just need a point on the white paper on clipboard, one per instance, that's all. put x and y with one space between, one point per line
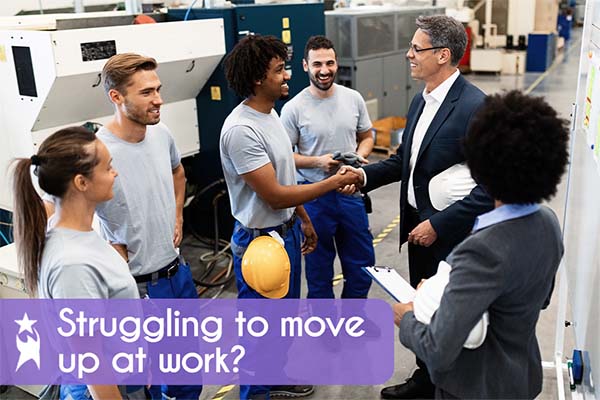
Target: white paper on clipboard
392 283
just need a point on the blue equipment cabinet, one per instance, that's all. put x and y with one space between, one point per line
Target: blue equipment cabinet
215 101
541 48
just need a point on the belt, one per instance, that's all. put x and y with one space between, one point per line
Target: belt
282 229
166 272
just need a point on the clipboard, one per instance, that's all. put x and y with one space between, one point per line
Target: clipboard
392 282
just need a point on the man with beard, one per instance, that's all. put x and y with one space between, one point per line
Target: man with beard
323 119
144 220
258 164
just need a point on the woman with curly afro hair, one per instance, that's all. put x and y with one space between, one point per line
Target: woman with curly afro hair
516 149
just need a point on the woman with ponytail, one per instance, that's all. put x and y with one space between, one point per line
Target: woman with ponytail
70 260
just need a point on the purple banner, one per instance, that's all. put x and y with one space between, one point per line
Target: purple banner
176 341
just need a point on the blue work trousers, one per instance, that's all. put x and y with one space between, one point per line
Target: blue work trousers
179 286
81 392
341 224
240 240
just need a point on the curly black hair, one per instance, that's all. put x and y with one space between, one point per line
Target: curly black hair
516 148
249 62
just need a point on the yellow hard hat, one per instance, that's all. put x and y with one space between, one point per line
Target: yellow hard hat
266 267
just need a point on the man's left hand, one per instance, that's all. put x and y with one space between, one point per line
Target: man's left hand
423 234
348 190
178 232
399 310
310 238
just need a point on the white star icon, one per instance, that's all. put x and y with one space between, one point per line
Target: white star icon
25 324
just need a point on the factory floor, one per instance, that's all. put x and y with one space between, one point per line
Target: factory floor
558 86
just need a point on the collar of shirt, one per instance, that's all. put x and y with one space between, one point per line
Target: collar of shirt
504 213
439 93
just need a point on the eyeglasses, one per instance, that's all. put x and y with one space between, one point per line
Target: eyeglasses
418 50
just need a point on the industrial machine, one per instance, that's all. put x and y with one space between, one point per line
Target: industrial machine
501 46
371 44
51 79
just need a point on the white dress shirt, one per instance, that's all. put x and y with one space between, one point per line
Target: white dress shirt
433 101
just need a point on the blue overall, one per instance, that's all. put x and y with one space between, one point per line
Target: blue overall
81 392
179 286
240 240
341 223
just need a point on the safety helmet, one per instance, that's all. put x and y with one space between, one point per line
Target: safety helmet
266 267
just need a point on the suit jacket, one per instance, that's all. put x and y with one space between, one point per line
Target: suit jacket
506 269
441 148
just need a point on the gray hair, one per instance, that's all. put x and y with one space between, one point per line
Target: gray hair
446 32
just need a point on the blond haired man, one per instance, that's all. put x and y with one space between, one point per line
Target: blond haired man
144 219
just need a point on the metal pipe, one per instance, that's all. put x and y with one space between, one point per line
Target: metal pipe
478 6
133 7
41 6
487 27
78 6
215 204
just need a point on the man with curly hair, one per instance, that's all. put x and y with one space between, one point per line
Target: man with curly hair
258 164
517 149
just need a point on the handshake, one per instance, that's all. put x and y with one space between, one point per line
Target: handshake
349 179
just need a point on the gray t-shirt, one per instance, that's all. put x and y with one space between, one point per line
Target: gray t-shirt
82 265
249 140
141 215
320 126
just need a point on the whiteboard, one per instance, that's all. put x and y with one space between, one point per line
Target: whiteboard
582 214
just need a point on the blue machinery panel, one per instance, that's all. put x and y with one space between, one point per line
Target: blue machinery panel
6 234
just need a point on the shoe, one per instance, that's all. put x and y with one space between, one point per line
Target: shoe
410 389
291 391
259 396
372 330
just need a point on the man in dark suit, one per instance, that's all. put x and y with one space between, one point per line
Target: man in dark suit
506 267
432 142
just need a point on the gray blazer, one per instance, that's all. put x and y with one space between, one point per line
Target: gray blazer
508 269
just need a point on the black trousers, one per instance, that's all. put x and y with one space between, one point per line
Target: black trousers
441 394
422 261
422 264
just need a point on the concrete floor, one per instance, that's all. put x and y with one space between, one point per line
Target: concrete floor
558 87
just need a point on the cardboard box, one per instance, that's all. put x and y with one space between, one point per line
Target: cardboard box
384 128
546 15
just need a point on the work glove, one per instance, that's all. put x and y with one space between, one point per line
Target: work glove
350 158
